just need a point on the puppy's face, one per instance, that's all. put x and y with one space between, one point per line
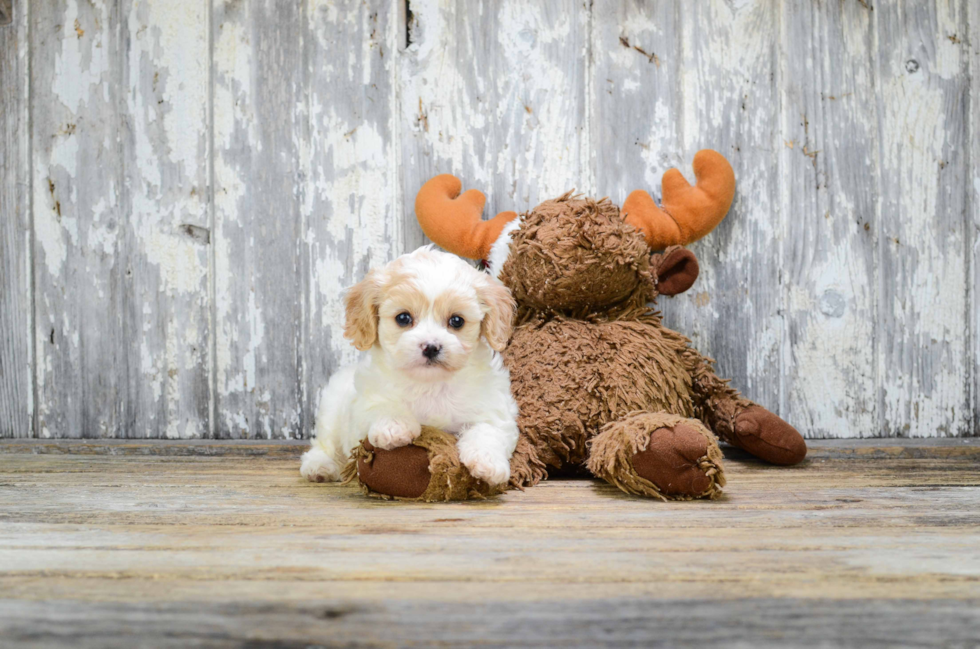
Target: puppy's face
428 310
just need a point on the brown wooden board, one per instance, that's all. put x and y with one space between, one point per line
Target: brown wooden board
860 548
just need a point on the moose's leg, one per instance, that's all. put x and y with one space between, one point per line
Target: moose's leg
526 468
658 455
428 470
739 421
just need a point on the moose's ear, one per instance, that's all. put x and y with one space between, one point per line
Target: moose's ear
676 268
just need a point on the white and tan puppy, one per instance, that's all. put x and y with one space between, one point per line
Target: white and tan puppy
431 325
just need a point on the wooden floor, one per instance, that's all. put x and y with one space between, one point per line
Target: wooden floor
126 544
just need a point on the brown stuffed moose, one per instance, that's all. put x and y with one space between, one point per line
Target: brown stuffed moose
599 381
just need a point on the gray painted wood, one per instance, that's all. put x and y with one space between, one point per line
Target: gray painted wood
84 290
351 179
826 174
16 317
165 155
260 107
923 108
672 78
841 291
973 126
7 12
495 93
120 216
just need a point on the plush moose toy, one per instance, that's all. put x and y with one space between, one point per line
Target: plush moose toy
599 381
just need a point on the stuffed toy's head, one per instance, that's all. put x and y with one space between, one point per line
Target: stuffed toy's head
577 256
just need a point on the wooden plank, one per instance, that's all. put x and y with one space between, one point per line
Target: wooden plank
120 215
107 543
83 269
958 448
165 150
828 226
260 127
495 93
335 622
672 78
16 316
353 218
923 103
974 138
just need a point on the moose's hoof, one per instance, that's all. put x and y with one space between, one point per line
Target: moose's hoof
428 469
768 437
673 461
401 472
658 455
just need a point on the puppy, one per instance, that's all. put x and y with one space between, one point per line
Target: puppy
431 326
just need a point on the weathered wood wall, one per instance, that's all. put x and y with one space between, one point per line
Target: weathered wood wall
187 188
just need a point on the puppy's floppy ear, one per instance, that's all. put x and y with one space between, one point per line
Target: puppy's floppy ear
362 311
498 312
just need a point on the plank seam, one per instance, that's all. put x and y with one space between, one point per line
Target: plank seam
588 142
776 199
31 277
212 302
395 128
879 401
402 9
305 165
972 206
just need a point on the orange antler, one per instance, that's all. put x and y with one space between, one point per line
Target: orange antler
688 212
453 221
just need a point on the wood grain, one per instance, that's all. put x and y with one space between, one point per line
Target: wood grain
858 549
86 304
16 310
196 183
817 450
923 111
260 127
973 227
616 622
495 93
828 223
351 202
120 217
166 159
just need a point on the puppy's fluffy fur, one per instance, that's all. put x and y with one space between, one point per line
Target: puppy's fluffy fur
431 326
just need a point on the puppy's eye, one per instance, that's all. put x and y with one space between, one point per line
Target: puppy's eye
404 319
456 322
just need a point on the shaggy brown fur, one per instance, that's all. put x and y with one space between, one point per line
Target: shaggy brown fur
590 355
575 262
571 377
677 468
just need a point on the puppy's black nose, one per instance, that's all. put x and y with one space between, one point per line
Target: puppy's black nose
431 351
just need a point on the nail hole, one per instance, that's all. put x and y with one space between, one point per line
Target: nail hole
6 12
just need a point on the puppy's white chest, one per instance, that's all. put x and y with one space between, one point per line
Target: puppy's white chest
439 409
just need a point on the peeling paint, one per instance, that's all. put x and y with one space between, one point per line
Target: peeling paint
841 284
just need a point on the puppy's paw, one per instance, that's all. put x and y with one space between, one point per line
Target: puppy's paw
485 464
317 466
387 433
